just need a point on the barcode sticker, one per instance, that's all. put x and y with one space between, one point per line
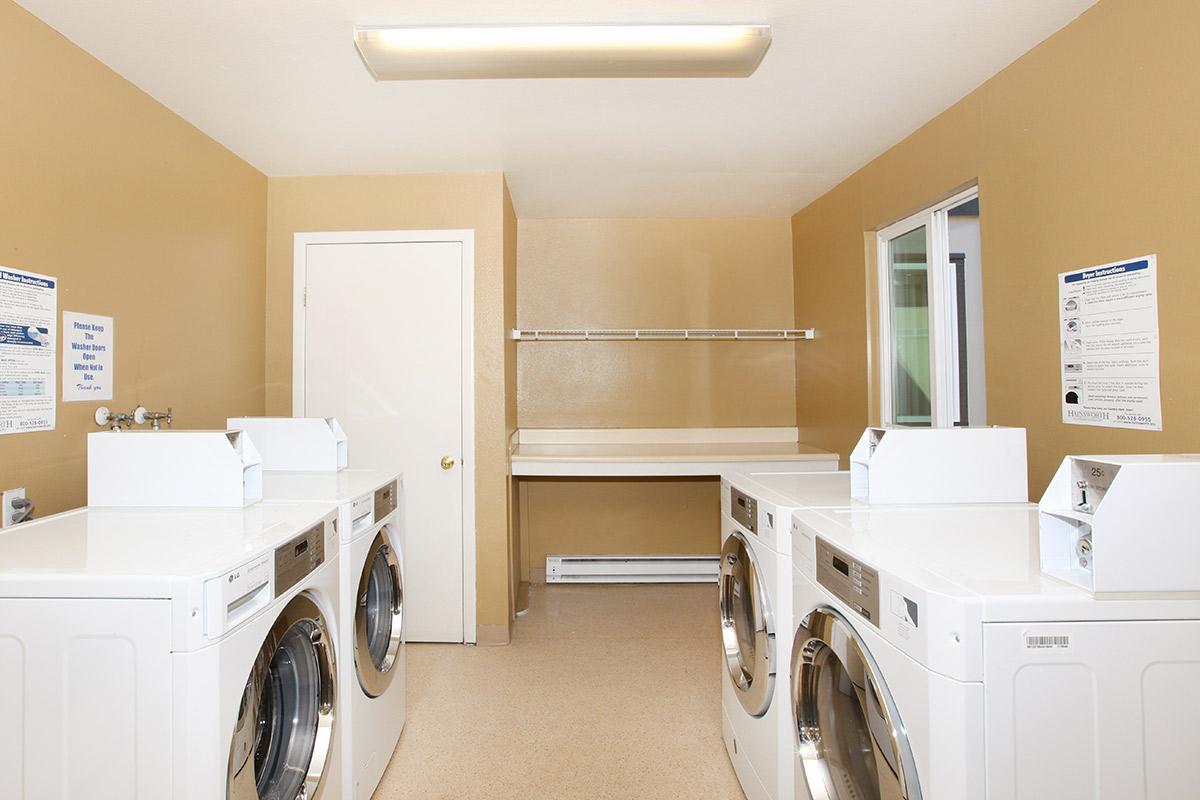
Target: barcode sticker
1059 642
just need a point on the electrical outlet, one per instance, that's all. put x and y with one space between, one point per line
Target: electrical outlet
6 505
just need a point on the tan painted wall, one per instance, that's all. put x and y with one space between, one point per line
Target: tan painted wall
1085 151
673 273
142 218
666 515
398 202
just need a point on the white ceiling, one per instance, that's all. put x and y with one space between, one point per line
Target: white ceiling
280 83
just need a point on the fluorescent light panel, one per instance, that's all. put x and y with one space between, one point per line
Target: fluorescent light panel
563 51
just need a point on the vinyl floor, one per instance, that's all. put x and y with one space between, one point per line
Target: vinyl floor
605 692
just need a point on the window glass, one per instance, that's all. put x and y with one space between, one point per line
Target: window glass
908 261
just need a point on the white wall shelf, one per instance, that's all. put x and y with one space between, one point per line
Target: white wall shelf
663 334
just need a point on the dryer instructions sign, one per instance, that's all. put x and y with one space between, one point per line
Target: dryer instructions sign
1108 331
28 313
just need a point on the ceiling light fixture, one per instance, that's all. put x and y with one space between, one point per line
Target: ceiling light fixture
563 51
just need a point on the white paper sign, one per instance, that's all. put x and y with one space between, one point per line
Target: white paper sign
28 317
1108 330
87 362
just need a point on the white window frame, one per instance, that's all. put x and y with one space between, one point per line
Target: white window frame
943 334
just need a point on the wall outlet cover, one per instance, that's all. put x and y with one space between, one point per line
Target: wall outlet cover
6 505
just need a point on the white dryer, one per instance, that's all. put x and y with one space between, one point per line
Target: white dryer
170 653
756 618
933 661
370 518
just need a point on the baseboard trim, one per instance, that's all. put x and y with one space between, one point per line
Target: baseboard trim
492 635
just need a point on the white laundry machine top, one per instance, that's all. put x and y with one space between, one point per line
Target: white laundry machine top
216 566
808 489
759 510
929 577
369 494
778 494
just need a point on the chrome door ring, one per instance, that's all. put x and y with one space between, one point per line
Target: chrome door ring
826 651
301 626
375 673
754 682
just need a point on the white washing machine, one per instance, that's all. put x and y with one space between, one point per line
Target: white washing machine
756 617
170 653
755 606
372 598
934 661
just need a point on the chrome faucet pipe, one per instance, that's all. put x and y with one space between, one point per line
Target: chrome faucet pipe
155 418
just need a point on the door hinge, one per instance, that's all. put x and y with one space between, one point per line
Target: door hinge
304 301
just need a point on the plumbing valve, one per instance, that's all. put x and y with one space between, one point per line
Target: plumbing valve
141 416
115 421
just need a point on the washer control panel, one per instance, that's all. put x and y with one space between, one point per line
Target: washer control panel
300 556
851 581
386 499
744 509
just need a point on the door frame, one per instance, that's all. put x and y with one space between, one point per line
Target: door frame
466 238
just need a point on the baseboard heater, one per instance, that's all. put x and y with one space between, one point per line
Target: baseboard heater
632 569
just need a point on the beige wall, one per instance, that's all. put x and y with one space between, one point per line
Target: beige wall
613 273
399 202
141 217
1086 152
673 273
614 515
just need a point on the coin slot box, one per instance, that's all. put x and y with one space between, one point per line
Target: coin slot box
940 465
1112 524
191 469
297 444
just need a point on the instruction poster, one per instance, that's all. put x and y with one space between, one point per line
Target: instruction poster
87 362
1108 327
28 313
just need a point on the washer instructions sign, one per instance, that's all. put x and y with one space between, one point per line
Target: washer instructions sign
87 362
1108 331
28 332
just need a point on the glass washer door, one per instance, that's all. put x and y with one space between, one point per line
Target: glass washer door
847 728
284 729
747 626
379 615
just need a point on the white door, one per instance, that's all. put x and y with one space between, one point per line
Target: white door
383 339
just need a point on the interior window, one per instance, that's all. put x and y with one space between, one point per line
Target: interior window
931 308
910 380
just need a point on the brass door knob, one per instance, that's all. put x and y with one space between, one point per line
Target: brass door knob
447 462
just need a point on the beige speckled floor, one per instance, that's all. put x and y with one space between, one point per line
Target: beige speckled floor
605 692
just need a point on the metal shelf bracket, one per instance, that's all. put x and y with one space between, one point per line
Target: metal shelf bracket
662 334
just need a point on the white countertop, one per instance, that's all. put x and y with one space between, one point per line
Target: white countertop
654 452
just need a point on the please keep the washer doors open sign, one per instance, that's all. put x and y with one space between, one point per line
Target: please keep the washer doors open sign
1108 331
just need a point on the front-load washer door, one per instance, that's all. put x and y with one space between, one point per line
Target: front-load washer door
849 736
747 626
379 615
282 737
